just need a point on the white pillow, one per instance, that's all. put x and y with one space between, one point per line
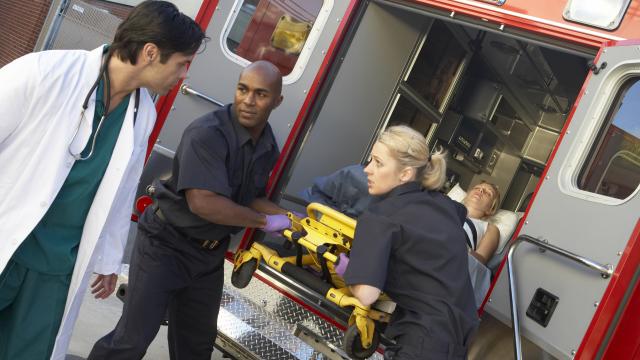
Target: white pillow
505 220
456 193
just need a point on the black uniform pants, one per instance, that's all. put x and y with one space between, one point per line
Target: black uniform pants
416 338
167 271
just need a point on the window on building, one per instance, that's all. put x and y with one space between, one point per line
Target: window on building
613 167
273 30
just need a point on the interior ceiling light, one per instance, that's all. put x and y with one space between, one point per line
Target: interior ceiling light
604 14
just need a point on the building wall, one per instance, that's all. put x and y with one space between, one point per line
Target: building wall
20 25
23 25
119 10
189 7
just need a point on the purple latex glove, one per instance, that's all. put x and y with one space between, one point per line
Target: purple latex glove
341 266
276 223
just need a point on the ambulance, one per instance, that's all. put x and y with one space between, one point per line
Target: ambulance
541 98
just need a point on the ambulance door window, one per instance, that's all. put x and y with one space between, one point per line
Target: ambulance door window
613 166
273 30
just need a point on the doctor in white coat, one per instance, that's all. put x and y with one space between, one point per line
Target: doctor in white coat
61 113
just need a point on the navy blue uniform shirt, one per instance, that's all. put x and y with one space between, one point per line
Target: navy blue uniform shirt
217 154
411 245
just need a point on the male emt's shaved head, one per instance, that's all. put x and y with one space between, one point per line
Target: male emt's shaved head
257 94
269 71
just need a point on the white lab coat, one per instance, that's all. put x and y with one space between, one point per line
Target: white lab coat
41 96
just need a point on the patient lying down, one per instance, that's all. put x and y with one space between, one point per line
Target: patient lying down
481 202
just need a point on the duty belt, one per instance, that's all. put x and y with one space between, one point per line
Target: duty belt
205 244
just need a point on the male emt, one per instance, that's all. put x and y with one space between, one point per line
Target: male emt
220 171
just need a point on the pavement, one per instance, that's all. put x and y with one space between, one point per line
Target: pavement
98 317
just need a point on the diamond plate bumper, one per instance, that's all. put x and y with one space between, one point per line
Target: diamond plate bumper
260 322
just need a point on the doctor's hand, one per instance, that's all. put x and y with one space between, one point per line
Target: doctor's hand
104 285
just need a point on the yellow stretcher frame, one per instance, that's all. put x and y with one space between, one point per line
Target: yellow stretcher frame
330 233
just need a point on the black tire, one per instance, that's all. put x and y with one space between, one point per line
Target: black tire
353 346
241 277
122 292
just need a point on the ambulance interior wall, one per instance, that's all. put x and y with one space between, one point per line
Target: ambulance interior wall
382 53
518 69
351 113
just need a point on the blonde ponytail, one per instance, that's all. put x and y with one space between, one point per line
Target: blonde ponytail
410 148
435 174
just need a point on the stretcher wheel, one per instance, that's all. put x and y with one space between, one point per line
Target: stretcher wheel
122 292
241 277
353 346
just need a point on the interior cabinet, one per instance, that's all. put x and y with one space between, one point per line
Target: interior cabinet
429 83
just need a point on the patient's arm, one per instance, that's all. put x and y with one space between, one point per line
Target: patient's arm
366 294
488 244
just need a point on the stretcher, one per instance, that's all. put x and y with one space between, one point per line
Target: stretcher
319 239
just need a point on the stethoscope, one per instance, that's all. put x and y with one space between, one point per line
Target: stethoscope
104 71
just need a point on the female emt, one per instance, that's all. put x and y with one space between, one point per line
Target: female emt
411 245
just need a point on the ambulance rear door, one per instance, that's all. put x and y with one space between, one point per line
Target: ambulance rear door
587 204
295 35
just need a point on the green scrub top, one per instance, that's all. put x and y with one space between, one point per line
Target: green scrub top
52 246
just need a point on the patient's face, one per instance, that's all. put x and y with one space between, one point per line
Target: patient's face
481 197
383 171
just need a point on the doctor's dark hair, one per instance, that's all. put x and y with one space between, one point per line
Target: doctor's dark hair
160 23
410 149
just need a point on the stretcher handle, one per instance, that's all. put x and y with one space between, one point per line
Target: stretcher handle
297 237
327 255
329 212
